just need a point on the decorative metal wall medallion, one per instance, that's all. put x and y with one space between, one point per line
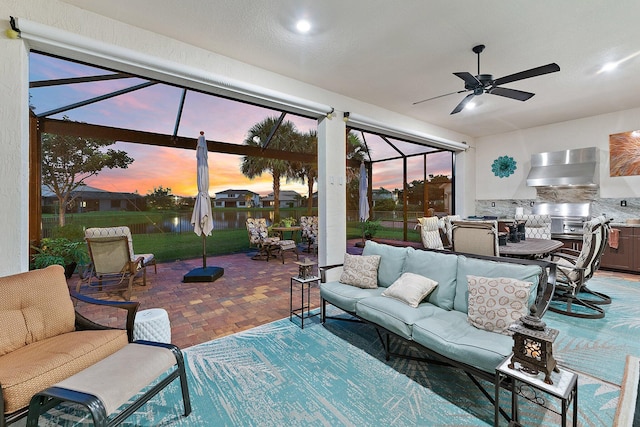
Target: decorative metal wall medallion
503 166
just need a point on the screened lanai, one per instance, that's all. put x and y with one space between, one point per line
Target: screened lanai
157 123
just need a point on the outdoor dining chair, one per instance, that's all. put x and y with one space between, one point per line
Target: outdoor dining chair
575 268
536 226
309 226
446 224
430 232
268 247
475 237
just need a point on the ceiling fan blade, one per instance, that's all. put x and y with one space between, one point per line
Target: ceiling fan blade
534 72
439 96
463 103
511 93
469 79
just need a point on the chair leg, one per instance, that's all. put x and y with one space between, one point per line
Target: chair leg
602 299
130 290
567 306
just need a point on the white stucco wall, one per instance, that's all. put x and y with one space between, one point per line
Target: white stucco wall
14 114
585 132
14 156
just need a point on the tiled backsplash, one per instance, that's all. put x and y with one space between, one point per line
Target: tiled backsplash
610 207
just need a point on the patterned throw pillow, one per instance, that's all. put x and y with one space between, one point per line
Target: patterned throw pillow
497 302
360 271
410 288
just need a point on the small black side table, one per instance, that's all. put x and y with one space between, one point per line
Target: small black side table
300 311
564 387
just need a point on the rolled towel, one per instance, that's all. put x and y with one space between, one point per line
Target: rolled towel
614 238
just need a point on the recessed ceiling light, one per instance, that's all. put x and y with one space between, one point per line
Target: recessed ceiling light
303 26
470 106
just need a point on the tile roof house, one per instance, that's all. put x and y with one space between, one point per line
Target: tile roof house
92 199
288 199
236 199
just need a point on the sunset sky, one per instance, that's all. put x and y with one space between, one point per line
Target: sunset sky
155 108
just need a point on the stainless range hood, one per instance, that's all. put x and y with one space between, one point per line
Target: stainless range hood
578 167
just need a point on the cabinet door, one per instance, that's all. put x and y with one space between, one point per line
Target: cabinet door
635 252
622 257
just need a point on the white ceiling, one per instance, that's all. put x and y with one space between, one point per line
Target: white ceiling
392 53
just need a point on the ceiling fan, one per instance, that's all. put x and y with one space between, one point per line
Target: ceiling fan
485 83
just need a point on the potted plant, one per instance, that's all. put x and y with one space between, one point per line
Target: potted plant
288 222
369 228
61 251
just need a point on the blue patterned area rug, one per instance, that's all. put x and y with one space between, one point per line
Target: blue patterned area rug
335 375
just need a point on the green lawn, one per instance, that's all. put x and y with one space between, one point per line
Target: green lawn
170 246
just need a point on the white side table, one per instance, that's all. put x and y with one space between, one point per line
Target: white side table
564 387
152 325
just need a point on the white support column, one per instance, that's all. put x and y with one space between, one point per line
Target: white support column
14 156
332 211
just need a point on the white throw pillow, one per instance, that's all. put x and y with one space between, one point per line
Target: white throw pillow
360 271
410 288
497 302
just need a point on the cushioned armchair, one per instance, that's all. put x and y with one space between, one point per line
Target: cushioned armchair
309 226
43 340
268 247
572 296
259 237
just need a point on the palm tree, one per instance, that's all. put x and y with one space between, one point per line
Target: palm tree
306 171
285 138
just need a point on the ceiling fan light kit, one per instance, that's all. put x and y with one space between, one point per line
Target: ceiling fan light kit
485 83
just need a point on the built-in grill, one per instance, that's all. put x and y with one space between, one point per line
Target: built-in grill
567 219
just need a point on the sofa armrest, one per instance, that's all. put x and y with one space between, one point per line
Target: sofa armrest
82 323
323 271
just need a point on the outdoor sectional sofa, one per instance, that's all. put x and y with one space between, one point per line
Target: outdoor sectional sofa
439 324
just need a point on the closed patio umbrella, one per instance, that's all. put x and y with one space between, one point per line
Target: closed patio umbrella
202 217
363 205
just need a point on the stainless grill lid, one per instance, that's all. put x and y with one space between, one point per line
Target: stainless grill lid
564 210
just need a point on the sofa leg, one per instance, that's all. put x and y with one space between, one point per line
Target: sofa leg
323 310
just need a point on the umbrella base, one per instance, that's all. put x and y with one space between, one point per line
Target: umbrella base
207 274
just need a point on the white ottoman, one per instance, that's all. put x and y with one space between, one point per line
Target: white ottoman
152 325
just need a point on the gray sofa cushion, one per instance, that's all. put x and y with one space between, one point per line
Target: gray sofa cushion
449 334
486 268
439 267
391 262
346 296
393 315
